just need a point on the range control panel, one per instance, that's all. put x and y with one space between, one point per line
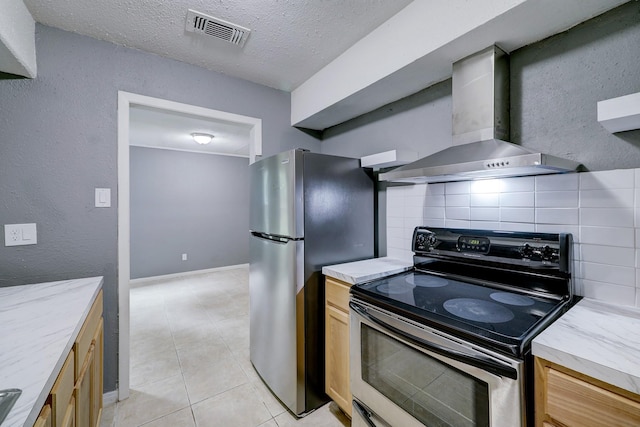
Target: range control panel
503 246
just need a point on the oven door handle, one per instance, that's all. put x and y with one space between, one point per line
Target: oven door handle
478 361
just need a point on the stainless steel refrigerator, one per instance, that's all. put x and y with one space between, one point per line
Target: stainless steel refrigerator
308 210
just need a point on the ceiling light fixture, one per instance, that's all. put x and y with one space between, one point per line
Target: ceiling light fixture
202 138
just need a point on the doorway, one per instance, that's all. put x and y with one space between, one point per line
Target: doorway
126 101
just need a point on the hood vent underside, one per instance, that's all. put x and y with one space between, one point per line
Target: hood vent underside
218 28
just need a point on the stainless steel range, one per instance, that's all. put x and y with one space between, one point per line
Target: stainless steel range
448 343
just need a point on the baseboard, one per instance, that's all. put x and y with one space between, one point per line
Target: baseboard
134 283
109 398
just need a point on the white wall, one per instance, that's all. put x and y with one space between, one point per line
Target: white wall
600 209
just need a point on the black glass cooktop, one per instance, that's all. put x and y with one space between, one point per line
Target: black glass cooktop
502 317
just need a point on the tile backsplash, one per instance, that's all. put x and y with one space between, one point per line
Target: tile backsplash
600 209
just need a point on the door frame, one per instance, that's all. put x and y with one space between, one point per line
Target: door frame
125 101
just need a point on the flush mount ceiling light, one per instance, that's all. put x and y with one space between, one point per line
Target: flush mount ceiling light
202 138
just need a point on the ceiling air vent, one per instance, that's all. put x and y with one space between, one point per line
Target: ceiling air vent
214 27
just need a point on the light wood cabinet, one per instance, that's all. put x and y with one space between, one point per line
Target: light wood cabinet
337 379
44 419
565 398
76 396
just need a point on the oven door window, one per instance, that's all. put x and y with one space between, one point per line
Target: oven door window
431 391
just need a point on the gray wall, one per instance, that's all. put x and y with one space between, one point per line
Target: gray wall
58 141
555 85
190 203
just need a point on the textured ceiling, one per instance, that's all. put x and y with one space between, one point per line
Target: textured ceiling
290 40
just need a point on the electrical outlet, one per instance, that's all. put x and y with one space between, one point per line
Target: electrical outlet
20 234
184 257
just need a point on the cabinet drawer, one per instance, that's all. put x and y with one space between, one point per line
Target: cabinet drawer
337 293
574 402
62 391
85 337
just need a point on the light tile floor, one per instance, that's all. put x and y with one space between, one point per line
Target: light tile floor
190 360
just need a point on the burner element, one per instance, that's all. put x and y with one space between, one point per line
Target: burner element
478 310
512 299
426 281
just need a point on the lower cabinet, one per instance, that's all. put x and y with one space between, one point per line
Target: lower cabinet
44 419
76 395
565 398
337 380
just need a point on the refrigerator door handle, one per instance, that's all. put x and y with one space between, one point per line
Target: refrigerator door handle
272 237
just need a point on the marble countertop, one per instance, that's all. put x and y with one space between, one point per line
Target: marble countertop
39 325
596 339
368 269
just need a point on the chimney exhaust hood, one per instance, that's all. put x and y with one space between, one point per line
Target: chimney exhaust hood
480 98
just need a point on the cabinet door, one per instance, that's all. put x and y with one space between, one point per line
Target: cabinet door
83 390
62 391
44 419
70 416
96 376
337 385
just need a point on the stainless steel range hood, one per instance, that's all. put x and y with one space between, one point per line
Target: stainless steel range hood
480 98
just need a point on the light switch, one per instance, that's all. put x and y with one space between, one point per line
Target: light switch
103 197
20 234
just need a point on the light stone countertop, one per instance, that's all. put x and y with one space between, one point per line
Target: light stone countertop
596 339
368 269
39 324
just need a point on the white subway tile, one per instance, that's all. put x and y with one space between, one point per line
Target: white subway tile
456 223
457 213
395 233
557 199
517 226
559 182
412 223
611 255
606 292
461 187
395 209
484 225
607 217
576 252
395 222
513 185
609 236
401 254
638 260
637 237
436 212
485 199
484 214
619 198
395 242
395 191
637 175
413 211
407 234
435 189
604 180
560 228
415 189
517 215
569 216
414 201
432 222
609 273
484 186
457 200
578 287
517 200
434 200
